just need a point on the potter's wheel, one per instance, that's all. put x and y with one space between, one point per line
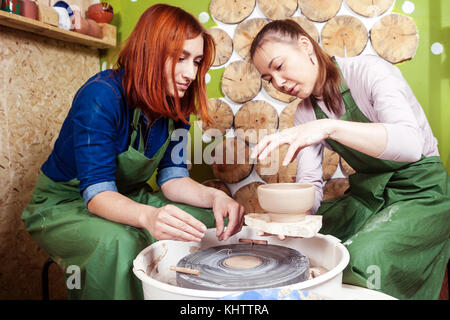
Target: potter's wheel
243 267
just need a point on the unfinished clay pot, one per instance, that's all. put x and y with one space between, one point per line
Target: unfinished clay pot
286 198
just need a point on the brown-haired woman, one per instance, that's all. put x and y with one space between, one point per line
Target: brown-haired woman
92 207
394 217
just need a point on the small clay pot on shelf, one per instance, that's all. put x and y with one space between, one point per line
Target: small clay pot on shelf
94 29
100 12
28 9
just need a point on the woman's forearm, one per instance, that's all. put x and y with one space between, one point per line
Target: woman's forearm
116 207
193 193
368 138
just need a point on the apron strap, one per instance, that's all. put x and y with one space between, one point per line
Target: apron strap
136 127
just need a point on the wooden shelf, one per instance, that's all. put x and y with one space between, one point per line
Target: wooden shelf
34 26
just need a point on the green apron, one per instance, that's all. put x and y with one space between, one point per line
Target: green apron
59 221
393 219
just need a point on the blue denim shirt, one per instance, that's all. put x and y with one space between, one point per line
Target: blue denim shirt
97 129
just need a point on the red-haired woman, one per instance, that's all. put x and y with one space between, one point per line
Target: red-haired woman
92 207
394 219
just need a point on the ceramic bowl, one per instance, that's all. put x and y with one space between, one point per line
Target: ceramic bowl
100 12
286 198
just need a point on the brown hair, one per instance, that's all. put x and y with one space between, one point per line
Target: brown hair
328 78
159 35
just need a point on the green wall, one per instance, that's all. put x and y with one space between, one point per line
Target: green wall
427 74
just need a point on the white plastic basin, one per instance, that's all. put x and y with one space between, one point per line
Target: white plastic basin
152 265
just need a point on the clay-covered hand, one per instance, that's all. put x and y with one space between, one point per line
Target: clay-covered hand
224 206
171 223
297 137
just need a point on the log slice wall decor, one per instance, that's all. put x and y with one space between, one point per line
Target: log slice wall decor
224 46
231 11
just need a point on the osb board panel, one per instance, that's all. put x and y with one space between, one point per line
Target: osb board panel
38 80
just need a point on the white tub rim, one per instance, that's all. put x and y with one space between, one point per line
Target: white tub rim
140 273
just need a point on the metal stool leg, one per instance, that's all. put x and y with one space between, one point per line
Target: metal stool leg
45 268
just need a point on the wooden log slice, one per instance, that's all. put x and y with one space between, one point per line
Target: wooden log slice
287 115
244 34
319 10
274 93
248 197
335 188
224 46
229 11
370 8
271 169
254 120
308 26
220 114
394 37
277 9
231 162
344 36
345 167
218 184
241 81
330 163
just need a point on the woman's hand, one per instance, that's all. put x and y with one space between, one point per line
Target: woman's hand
171 223
297 137
224 206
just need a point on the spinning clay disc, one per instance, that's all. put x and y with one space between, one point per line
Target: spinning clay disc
243 267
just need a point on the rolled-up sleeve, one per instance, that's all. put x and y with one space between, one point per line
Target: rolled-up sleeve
174 162
170 173
95 189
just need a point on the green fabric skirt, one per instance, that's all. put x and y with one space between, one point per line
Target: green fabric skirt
58 220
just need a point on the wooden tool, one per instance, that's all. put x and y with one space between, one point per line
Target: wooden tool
185 270
253 241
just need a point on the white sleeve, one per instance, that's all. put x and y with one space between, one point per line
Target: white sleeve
309 170
392 99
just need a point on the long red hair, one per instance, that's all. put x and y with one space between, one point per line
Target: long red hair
159 35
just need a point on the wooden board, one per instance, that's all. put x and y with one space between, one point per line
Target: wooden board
218 184
370 8
274 93
287 115
394 37
231 11
335 188
277 9
344 36
330 163
224 46
248 197
254 120
241 81
232 163
37 27
319 10
244 34
271 169
220 114
308 26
